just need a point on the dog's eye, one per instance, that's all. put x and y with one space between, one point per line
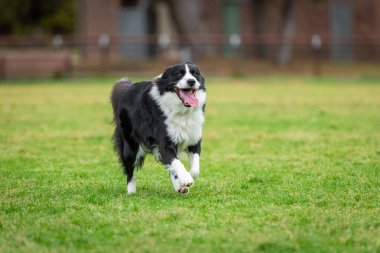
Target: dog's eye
194 73
179 73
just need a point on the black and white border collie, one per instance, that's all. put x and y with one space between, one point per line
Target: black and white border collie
163 117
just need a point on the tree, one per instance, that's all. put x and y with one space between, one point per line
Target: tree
25 17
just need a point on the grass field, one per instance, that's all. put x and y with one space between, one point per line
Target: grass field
288 165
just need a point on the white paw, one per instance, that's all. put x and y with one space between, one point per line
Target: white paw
131 186
194 165
178 187
184 190
181 179
194 173
185 179
175 181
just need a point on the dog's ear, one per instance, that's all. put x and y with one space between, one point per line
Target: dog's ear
155 79
165 75
203 79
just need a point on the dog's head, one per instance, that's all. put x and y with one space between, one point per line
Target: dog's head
182 83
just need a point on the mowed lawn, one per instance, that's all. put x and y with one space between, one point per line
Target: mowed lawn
289 164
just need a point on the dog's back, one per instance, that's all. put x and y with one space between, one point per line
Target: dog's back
117 92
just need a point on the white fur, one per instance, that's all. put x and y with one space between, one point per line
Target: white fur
156 153
156 78
184 124
140 153
124 79
182 84
184 178
131 187
175 181
194 165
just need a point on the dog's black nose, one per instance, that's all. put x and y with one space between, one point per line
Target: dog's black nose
191 82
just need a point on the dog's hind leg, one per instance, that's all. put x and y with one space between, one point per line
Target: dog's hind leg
128 151
128 160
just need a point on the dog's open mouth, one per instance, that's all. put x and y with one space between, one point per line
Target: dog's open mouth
187 96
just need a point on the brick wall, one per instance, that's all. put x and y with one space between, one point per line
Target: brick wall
97 17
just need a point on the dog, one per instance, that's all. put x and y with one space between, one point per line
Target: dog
163 117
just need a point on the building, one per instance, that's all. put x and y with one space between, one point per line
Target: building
277 29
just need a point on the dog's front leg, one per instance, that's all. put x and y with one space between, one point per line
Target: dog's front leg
194 152
194 164
181 179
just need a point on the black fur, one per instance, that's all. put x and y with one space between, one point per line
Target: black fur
139 120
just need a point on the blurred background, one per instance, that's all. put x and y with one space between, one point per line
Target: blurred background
73 37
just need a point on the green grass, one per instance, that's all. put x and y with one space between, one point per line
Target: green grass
289 164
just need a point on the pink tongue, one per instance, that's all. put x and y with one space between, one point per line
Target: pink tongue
189 98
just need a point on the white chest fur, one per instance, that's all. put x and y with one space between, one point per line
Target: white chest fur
185 129
184 124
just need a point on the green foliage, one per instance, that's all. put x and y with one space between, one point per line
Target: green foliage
25 17
288 165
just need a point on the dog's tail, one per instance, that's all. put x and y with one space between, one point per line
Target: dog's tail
117 92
